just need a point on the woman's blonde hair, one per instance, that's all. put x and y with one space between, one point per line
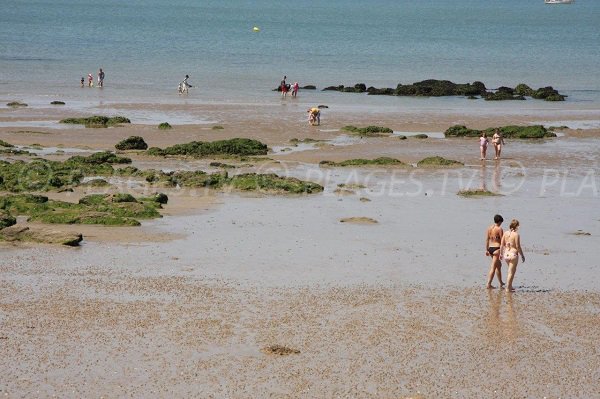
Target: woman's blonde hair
514 224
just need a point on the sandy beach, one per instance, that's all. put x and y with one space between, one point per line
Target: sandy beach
236 295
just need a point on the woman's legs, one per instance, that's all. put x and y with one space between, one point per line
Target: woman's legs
512 270
495 268
498 151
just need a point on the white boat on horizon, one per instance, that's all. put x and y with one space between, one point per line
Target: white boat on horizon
559 1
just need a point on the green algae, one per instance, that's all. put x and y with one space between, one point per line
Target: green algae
201 149
437 161
369 131
105 209
477 193
44 175
132 143
381 161
96 121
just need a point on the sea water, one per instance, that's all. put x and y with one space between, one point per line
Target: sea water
146 47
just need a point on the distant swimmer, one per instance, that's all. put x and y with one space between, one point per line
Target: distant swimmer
82 81
100 78
314 116
184 85
90 80
295 87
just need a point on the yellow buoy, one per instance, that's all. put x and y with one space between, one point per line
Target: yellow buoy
256 29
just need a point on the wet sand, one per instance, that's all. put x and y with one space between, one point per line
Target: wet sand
189 304
97 332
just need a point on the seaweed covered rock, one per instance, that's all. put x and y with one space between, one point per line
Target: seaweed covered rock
523 90
511 132
98 158
439 88
44 175
357 88
96 121
502 95
164 126
56 102
437 161
132 143
309 87
45 236
161 198
273 183
477 193
548 93
92 209
5 144
16 104
6 219
386 91
200 149
381 161
334 88
369 131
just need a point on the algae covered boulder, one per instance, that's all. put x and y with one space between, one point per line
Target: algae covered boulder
369 131
5 144
200 149
164 126
523 90
40 235
56 102
132 143
105 209
96 121
510 132
16 104
437 161
440 88
381 161
6 219
273 183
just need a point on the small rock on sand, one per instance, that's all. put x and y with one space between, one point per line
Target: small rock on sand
280 350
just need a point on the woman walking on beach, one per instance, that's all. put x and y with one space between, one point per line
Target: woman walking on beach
483 144
510 248
493 239
498 142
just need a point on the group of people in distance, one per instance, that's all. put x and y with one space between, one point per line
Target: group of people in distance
90 79
497 141
501 245
286 87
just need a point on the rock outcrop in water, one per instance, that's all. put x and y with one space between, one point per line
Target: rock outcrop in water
508 132
443 88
